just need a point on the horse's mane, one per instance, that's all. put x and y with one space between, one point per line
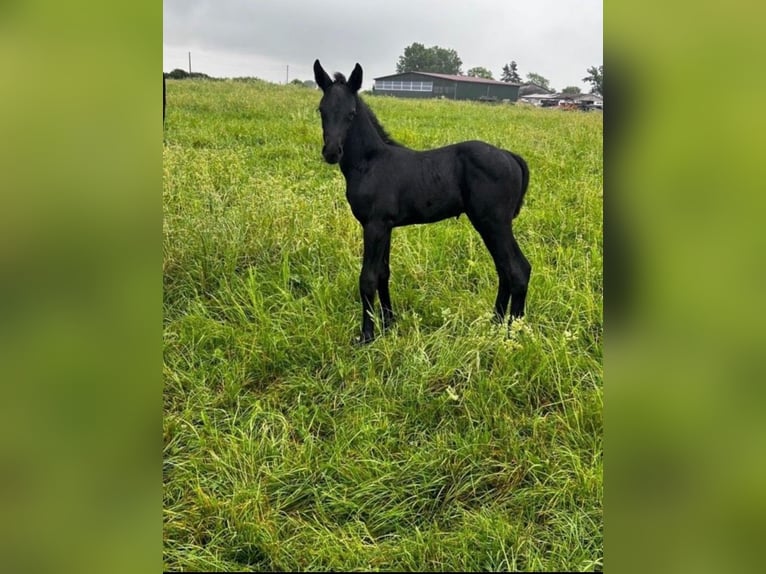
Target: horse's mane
376 124
341 79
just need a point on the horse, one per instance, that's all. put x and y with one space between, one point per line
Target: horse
389 185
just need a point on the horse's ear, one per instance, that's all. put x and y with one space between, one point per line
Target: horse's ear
321 77
355 81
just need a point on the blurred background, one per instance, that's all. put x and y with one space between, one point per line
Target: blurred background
80 286
684 425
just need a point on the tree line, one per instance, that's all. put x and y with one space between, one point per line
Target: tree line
438 60
179 74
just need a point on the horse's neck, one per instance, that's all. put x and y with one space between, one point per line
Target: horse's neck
363 140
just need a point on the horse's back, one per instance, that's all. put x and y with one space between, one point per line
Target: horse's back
425 184
410 186
490 160
493 180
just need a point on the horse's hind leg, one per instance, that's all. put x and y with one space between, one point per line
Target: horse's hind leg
521 271
513 269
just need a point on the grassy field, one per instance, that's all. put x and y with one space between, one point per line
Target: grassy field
447 444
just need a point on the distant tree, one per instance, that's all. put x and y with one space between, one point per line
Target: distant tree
539 80
571 90
418 58
595 77
252 79
511 73
303 83
178 74
479 72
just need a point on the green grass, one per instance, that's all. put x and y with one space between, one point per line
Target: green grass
448 443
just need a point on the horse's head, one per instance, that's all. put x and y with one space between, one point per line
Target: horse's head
337 107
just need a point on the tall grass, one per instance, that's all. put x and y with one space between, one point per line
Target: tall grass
447 444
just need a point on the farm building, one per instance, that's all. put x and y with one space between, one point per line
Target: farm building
533 88
589 101
430 85
582 101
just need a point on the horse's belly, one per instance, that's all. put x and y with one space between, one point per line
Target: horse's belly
430 206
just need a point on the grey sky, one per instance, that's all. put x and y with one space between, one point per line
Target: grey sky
558 39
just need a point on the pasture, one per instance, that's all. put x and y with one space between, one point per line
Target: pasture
449 443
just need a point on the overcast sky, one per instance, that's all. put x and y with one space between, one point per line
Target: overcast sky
558 39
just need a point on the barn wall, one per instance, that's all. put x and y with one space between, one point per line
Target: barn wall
467 91
407 77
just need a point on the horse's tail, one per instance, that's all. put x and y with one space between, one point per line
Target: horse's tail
524 181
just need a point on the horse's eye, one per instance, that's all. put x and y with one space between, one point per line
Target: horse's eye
351 114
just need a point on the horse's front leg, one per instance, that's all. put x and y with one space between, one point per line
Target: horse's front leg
377 240
383 293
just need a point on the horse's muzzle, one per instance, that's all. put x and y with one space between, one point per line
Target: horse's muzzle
332 154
